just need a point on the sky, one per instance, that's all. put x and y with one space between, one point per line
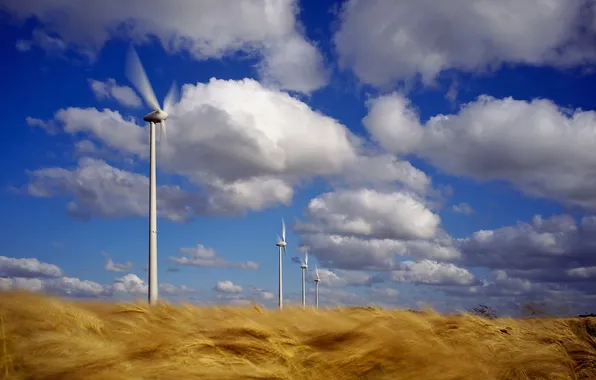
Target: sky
421 152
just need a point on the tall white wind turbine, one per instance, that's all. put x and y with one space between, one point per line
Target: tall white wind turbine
304 268
281 244
137 76
317 280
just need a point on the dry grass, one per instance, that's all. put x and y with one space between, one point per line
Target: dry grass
48 338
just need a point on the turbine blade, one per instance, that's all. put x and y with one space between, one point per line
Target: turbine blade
283 229
317 271
285 251
163 138
171 98
137 76
306 258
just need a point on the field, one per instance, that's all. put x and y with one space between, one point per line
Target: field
49 338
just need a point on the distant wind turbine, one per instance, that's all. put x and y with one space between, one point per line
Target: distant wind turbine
304 268
137 76
317 280
281 244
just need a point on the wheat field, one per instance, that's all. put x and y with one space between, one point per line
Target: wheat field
46 338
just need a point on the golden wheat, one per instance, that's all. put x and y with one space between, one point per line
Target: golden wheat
47 338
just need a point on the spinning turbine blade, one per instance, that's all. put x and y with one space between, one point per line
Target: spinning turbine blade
163 138
137 76
317 271
283 230
171 98
306 258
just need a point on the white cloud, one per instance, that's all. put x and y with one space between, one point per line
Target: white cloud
392 121
364 229
49 127
387 40
463 208
204 29
27 268
32 275
384 292
540 148
330 297
368 213
263 294
112 266
129 284
543 258
341 278
557 242
51 45
23 283
200 256
251 148
111 90
227 287
432 272
383 172
101 190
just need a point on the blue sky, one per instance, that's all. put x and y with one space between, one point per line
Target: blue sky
420 156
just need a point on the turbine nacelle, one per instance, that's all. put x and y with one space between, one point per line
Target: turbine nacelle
156 116
281 244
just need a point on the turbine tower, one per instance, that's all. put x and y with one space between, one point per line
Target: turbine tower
304 268
281 244
137 76
317 280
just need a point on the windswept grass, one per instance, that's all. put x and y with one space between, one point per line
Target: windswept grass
48 338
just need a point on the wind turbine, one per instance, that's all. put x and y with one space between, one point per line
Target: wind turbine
317 280
281 244
304 268
137 76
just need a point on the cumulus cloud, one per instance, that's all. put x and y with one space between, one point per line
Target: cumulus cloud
547 258
542 149
27 268
383 172
368 213
227 287
558 243
387 40
111 90
32 275
333 297
200 256
252 147
99 189
432 272
204 30
112 266
341 278
262 294
365 229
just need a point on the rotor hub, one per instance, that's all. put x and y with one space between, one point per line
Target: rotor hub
156 116
281 244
